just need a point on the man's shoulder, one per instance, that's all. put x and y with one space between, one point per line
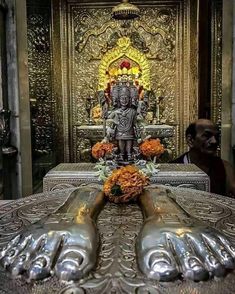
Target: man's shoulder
179 159
219 160
227 165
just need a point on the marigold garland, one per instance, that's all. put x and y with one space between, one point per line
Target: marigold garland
128 181
151 148
100 150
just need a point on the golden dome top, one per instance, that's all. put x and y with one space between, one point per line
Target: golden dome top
125 10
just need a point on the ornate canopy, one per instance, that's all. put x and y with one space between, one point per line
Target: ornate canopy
124 50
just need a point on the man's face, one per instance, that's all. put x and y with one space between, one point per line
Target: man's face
206 139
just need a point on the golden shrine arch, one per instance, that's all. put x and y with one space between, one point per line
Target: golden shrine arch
124 50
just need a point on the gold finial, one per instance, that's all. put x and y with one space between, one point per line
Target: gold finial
125 10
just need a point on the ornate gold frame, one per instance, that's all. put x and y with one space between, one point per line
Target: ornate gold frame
182 100
124 49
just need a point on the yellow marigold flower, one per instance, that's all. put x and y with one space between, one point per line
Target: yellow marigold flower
112 72
135 70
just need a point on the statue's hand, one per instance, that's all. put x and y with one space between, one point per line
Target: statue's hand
173 244
60 246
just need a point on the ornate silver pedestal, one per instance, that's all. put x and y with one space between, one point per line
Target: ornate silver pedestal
93 133
67 175
116 270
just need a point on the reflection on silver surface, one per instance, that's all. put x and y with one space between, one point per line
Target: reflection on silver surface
172 243
64 244
116 270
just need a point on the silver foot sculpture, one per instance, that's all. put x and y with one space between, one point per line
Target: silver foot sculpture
172 244
64 244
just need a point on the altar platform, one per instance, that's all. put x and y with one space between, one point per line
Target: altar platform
68 175
94 133
116 270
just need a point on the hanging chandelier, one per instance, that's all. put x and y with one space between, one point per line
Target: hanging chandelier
125 11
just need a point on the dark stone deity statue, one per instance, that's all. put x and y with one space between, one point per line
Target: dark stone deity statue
124 117
125 103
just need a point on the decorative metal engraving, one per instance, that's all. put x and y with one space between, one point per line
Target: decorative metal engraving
92 34
27 211
170 174
116 270
96 132
216 62
124 49
86 35
42 104
39 57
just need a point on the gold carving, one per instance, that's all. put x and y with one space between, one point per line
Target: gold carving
159 41
216 66
94 32
97 114
124 49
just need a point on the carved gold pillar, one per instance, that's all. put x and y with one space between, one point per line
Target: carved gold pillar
189 113
227 63
216 61
59 81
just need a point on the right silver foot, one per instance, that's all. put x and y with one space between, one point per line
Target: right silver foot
196 252
171 244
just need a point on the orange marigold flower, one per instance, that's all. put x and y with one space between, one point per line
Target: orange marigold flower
130 181
99 150
151 148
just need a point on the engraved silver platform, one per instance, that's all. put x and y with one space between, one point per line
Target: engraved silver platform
68 175
119 225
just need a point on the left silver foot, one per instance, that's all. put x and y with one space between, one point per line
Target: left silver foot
64 244
68 251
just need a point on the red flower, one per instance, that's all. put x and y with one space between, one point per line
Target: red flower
125 64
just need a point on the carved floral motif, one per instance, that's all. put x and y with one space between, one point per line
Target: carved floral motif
95 35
